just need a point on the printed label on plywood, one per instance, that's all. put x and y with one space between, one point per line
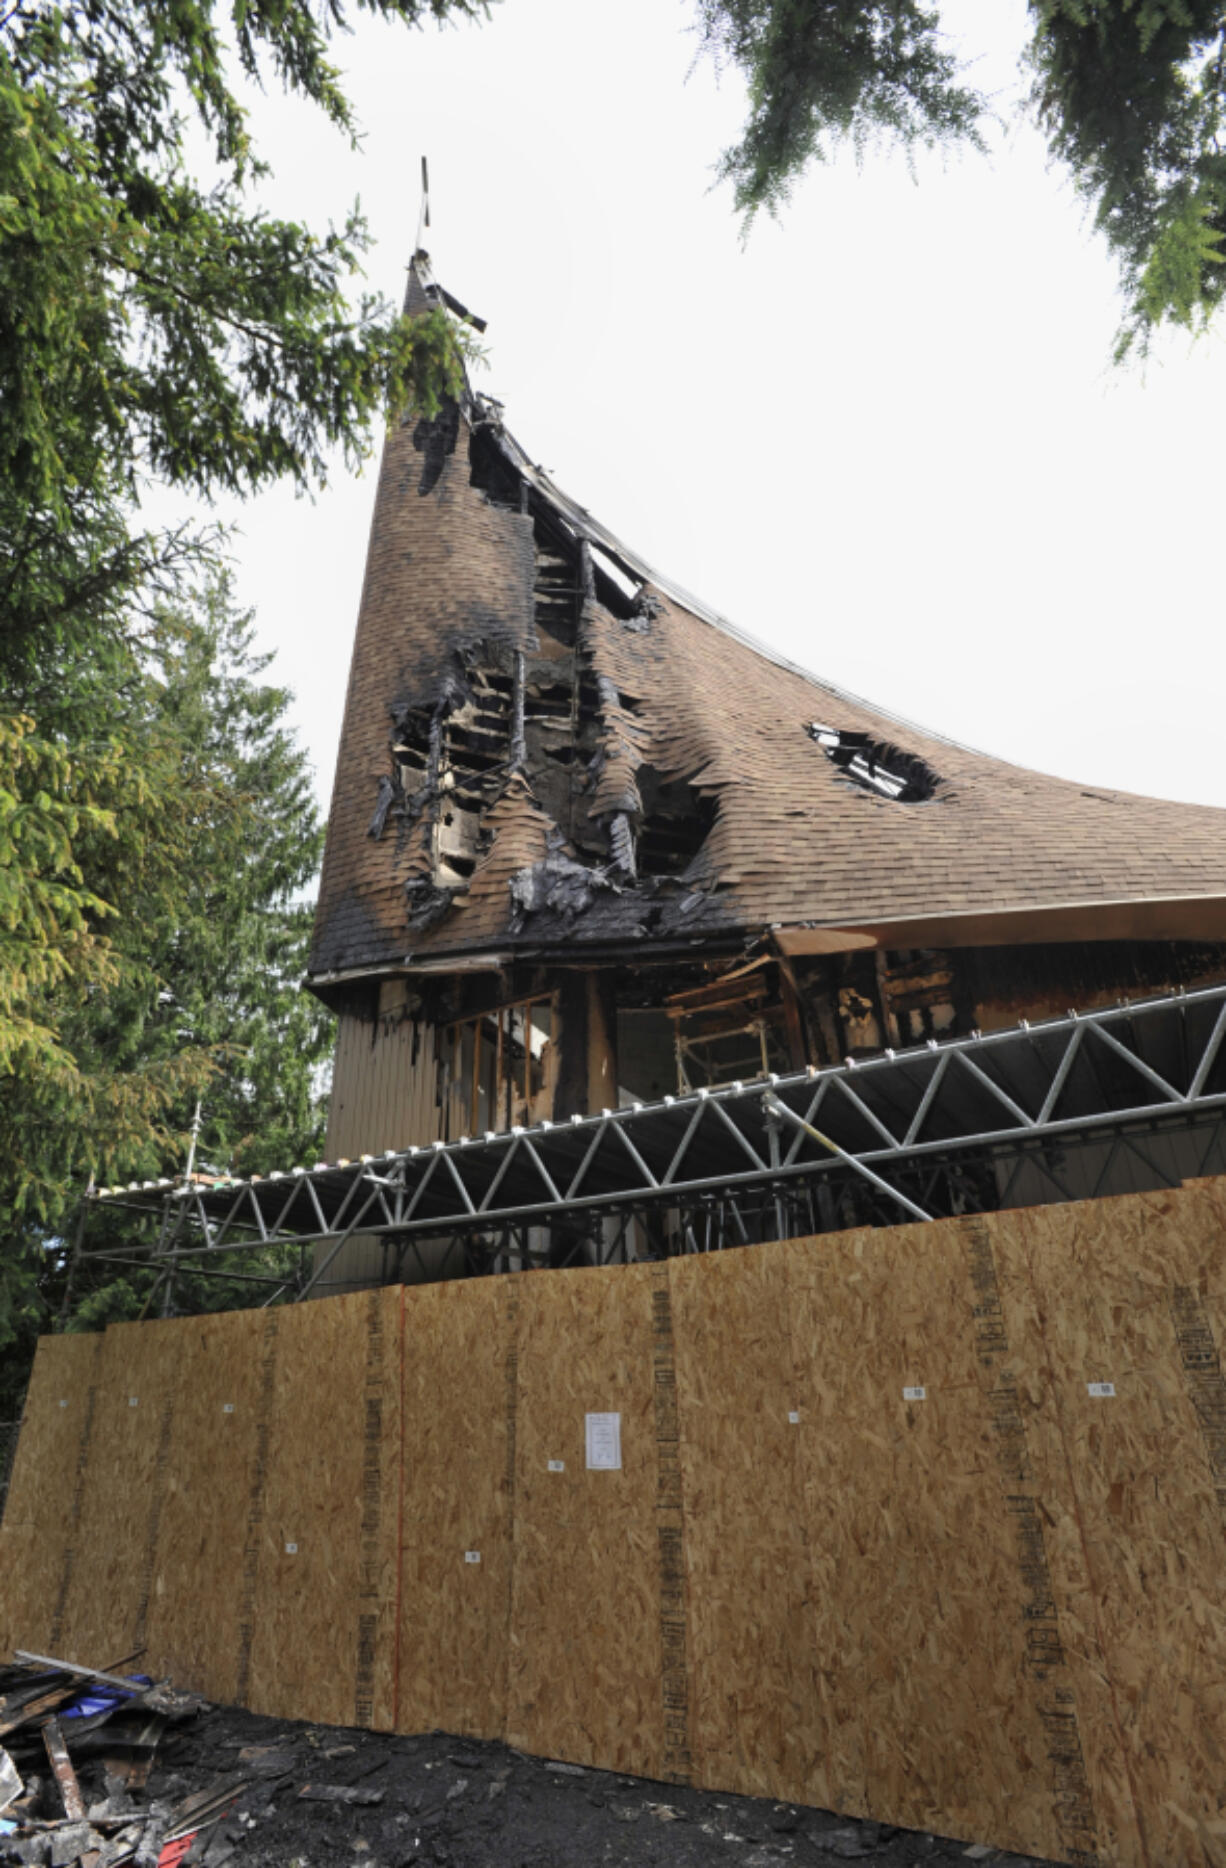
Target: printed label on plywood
603 1442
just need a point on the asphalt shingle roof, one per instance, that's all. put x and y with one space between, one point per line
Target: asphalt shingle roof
795 842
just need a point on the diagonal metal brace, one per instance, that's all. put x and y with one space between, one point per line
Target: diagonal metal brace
777 1107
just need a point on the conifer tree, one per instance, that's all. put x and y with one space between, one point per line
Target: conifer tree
155 822
1131 94
189 860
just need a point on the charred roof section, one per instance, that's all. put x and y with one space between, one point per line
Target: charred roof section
621 832
549 747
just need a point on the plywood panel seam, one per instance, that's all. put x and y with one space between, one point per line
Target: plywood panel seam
399 1531
802 1400
68 1562
255 1504
156 1501
1204 1382
370 1530
511 1405
1027 1259
670 1535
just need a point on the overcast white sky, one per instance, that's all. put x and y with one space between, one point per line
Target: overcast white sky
884 436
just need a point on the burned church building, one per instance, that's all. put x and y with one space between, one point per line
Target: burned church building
591 846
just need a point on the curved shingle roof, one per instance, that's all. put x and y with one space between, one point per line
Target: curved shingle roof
676 720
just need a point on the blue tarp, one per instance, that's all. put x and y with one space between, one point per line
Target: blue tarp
100 1698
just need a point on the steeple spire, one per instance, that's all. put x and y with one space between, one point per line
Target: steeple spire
423 217
421 293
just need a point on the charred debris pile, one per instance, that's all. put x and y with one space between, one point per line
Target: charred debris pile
98 1770
78 1746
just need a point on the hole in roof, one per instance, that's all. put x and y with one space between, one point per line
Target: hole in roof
877 766
491 472
676 821
626 586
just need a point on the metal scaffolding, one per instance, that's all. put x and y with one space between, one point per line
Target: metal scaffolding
1106 1101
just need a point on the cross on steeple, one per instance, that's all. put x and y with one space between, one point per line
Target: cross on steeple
423 217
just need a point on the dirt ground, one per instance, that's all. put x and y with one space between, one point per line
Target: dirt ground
462 1804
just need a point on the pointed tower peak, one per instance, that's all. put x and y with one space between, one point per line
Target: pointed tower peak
420 290
423 293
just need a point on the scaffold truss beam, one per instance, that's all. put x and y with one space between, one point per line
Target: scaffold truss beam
1125 1076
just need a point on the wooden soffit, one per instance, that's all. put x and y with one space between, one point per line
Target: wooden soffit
1185 918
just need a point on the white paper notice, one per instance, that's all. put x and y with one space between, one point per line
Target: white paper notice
915 1394
1101 1391
604 1442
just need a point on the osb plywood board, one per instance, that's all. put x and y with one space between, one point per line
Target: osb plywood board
196 1611
321 1533
27 1588
756 1721
38 1542
458 1451
106 1606
1079 1766
923 1502
1198 1317
1130 1295
586 1657
818 1350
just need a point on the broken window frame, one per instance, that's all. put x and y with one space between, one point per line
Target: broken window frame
500 1029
